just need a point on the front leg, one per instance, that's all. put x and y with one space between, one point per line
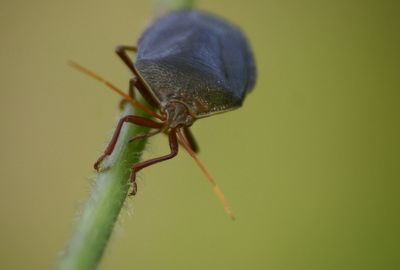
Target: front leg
141 121
173 145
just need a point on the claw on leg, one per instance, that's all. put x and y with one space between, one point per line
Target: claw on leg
99 161
134 189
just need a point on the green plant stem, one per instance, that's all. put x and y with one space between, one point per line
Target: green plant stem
109 191
106 200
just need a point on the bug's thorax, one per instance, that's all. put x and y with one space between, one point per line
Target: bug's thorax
177 114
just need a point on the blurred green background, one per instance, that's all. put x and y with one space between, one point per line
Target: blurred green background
310 164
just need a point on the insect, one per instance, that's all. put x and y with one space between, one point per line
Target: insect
189 65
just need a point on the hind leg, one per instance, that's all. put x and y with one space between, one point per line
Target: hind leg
121 51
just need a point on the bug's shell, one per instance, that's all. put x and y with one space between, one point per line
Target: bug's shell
198 59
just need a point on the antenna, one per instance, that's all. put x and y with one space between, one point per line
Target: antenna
114 88
214 185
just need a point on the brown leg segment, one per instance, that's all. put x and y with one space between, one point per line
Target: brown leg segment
146 94
121 52
190 139
132 84
141 121
131 92
173 144
146 135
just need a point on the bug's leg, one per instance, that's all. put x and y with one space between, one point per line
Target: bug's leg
121 52
141 121
146 94
187 136
115 89
148 134
191 140
173 144
131 92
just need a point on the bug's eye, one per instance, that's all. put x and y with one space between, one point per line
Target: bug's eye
189 120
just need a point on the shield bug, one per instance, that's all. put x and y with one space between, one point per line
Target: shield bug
189 65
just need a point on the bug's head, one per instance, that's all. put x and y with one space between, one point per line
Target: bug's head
178 114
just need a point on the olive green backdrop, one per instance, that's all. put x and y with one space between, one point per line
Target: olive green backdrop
310 164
